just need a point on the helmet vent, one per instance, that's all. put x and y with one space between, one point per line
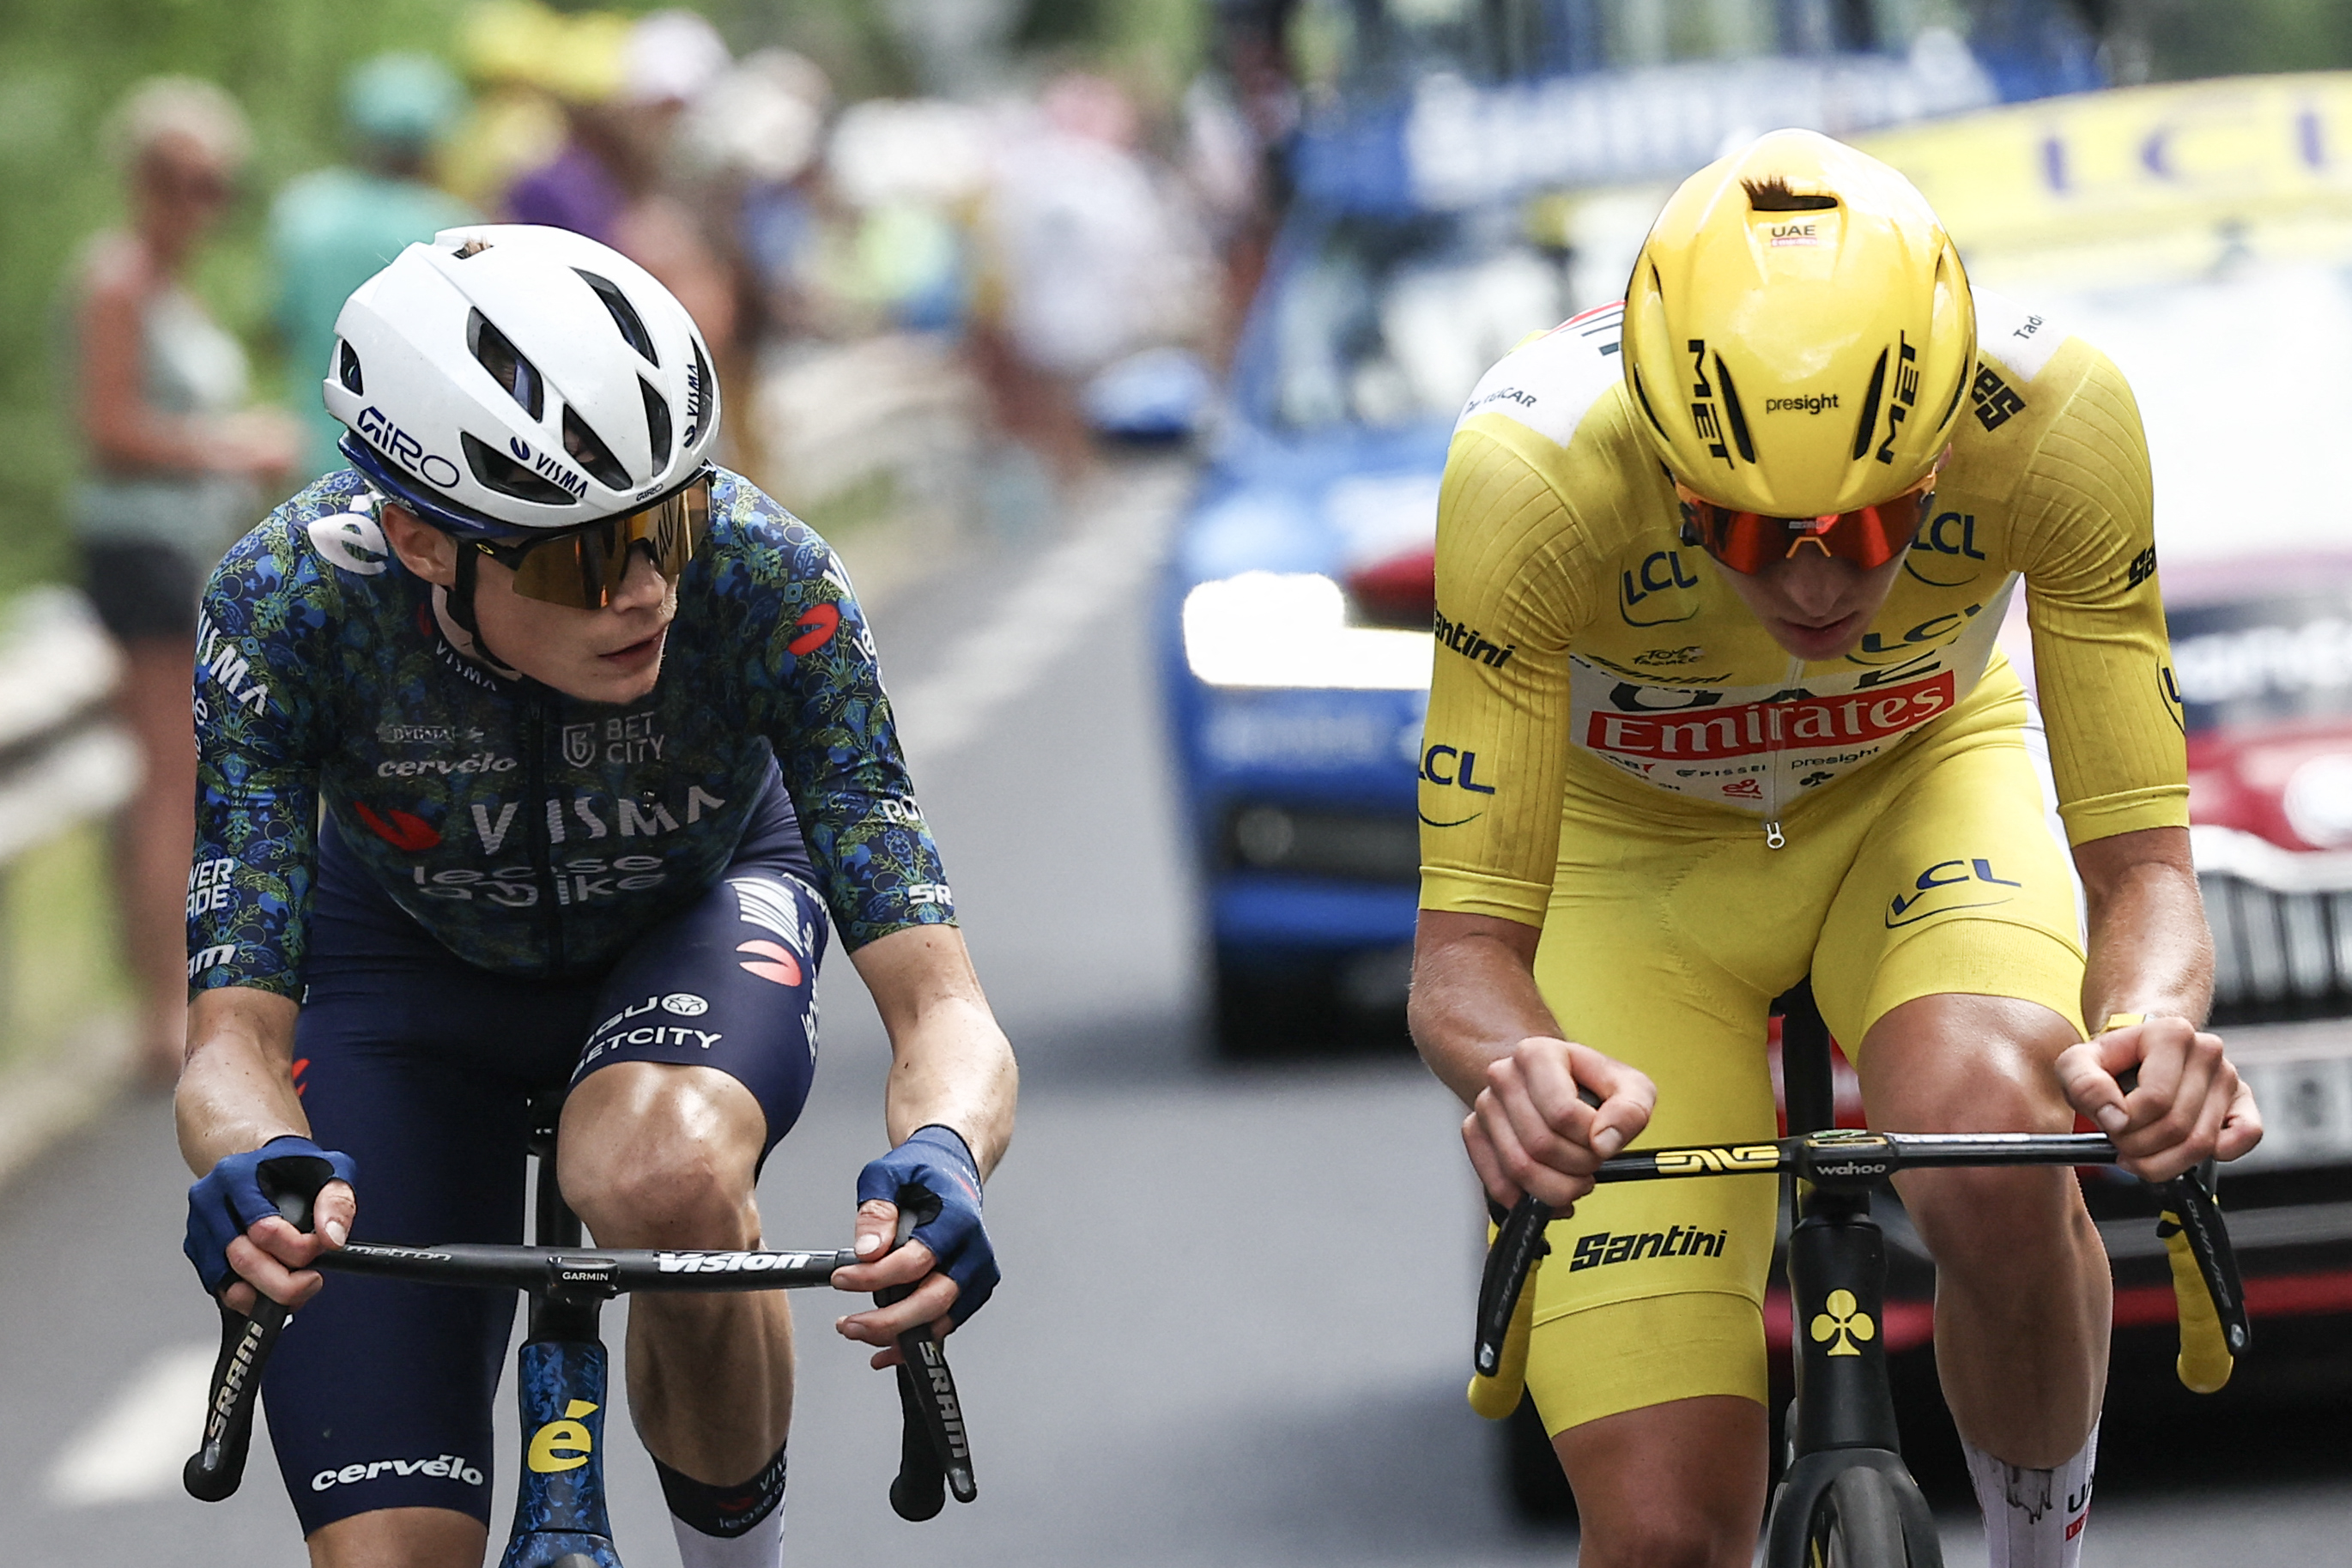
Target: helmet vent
656 423
497 471
1737 414
504 362
1773 195
1869 420
592 453
347 369
1651 413
625 315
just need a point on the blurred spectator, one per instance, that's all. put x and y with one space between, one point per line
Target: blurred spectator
1094 258
333 230
616 181
177 465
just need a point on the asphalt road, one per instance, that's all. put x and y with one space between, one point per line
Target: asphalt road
1233 1327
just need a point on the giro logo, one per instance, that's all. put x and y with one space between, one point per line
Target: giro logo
448 1466
402 830
815 629
563 1444
1841 1325
405 449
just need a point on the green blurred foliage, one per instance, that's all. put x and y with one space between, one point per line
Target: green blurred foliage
64 65
2230 38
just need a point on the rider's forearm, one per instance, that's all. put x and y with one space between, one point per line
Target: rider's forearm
951 1064
236 1091
2151 951
1473 996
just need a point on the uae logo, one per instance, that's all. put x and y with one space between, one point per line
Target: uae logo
579 743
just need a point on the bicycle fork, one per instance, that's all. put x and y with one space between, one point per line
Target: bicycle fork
1843 1416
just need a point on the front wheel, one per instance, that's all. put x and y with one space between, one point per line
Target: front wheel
1857 1523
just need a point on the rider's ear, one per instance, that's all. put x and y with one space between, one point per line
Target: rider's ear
422 548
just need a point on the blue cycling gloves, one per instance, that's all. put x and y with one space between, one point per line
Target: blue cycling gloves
244 1189
933 1177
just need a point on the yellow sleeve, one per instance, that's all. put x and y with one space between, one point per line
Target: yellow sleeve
2087 548
1496 745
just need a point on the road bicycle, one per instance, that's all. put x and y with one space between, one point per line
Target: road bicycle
560 1519
1845 1498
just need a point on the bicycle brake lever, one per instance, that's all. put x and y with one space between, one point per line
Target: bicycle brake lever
934 1453
217 1468
1517 1244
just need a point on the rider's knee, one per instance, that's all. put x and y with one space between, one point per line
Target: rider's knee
658 1177
1671 1538
1994 1218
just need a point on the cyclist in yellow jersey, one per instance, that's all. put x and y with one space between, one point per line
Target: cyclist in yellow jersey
1718 705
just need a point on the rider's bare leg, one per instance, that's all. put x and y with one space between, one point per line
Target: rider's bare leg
400 1538
2023 1298
653 1154
1679 1485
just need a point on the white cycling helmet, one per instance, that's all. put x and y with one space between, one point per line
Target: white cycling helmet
509 379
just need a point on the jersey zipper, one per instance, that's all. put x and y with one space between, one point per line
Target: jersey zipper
1774 836
542 851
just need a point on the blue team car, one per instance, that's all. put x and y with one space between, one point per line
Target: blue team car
1298 609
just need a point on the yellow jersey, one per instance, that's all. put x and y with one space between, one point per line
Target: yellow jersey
1582 646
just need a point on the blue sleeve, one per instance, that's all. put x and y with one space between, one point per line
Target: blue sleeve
818 687
257 767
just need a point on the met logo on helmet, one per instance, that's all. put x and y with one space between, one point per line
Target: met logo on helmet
1907 393
405 449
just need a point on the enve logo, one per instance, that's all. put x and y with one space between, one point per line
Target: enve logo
563 1444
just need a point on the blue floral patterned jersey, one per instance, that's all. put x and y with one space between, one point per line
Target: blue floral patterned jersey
530 832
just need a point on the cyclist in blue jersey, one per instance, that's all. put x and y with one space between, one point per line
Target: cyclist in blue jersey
535 750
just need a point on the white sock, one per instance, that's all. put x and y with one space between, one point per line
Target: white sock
762 1546
739 1526
2033 1519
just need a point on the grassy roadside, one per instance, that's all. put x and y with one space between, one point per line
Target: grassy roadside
60 962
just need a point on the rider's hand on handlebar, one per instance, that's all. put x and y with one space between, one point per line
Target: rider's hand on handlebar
910 1264
1530 1130
275 1256
2189 1105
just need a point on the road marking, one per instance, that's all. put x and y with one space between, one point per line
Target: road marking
135 1449
1071 588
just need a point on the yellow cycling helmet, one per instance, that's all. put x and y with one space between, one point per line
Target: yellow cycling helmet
1798 331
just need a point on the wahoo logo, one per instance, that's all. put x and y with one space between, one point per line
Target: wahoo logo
405 449
1603 1247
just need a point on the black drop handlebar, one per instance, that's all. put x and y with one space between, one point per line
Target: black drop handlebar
2213 1324
933 1453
